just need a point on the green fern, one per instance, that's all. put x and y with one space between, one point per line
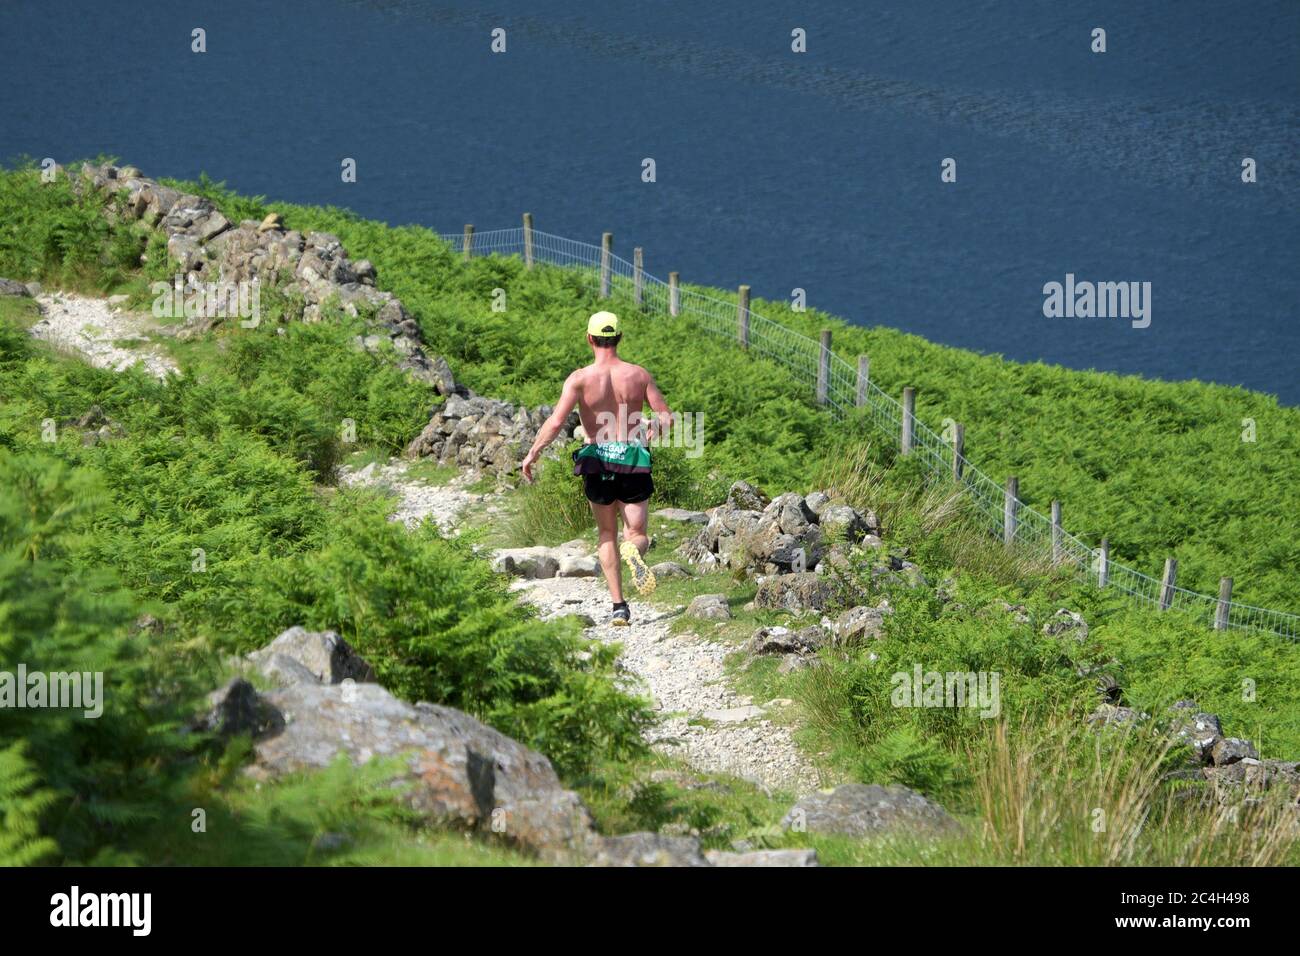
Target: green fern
23 803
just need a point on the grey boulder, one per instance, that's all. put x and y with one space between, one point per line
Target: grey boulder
682 515
325 656
796 593
860 624
709 607
783 640
861 810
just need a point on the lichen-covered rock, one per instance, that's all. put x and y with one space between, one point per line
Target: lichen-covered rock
451 768
1228 750
745 497
862 810
578 566
816 501
669 569
782 536
532 562
326 657
1019 613
860 624
681 514
1251 777
458 770
1110 715
1067 623
784 640
796 593
573 559
237 708
793 662
843 521
648 849
1201 731
709 607
97 427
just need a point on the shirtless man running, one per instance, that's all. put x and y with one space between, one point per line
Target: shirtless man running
615 462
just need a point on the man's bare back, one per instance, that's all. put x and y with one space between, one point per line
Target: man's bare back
610 397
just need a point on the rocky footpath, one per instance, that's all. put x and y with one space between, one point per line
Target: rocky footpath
101 332
415 500
210 248
573 559
700 718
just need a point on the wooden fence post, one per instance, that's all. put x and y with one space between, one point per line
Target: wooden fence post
674 293
1103 563
958 450
528 240
1010 504
1056 532
1224 606
467 247
1168 582
824 368
864 371
909 421
742 317
638 275
606 248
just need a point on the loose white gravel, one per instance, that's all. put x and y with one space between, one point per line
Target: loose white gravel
701 719
417 500
91 327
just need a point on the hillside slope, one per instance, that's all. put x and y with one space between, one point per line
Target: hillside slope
1205 473
169 523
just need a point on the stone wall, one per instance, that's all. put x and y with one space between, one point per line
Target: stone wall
471 431
210 248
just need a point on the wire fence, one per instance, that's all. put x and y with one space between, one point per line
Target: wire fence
844 392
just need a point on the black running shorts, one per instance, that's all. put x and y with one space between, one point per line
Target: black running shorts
607 488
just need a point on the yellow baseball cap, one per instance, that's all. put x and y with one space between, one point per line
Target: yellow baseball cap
602 324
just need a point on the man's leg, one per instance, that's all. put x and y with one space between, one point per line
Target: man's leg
607 532
636 543
634 523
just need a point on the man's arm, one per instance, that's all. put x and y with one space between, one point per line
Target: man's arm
663 414
551 427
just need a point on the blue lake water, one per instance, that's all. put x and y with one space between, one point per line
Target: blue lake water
818 171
